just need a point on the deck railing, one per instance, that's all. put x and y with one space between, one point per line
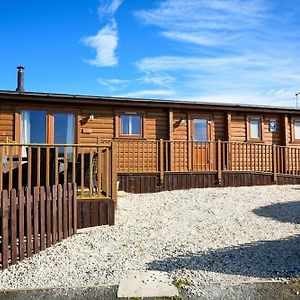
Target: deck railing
208 156
91 167
94 167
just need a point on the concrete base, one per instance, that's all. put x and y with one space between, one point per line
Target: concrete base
147 284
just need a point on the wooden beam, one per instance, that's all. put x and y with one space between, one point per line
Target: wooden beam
171 122
229 126
50 128
17 133
285 130
189 138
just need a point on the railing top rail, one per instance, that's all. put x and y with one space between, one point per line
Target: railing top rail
246 143
103 145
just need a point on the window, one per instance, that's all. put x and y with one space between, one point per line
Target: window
200 130
255 128
63 129
297 129
33 127
131 124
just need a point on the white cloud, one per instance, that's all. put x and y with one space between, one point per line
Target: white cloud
229 50
108 8
204 21
114 84
149 94
160 79
105 43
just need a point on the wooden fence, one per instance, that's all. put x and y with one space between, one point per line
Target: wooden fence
91 167
31 222
215 156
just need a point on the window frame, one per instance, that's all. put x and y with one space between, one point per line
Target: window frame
261 129
118 125
49 122
293 131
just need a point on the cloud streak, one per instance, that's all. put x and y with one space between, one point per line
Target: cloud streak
105 42
228 49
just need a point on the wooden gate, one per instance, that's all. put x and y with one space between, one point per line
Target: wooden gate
201 135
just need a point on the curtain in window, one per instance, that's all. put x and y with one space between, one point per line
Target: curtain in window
25 130
125 123
70 129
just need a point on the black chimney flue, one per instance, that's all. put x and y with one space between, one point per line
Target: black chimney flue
20 87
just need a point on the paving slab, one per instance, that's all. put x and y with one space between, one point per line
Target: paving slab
142 284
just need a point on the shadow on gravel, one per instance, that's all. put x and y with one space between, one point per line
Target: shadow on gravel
288 212
265 259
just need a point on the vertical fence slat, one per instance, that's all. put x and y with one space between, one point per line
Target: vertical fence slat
42 218
48 216
21 224
70 209
36 219
65 211
13 226
54 215
5 230
29 206
60 212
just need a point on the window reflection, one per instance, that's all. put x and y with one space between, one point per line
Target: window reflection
33 127
200 130
131 124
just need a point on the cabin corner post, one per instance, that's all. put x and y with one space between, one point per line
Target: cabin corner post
161 161
274 163
114 175
219 163
171 136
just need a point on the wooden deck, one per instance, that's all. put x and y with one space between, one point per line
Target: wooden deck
91 167
146 166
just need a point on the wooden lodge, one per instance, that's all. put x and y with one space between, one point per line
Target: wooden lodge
147 145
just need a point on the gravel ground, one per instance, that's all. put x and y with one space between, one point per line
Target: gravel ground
200 236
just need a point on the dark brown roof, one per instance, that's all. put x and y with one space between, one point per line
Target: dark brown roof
122 101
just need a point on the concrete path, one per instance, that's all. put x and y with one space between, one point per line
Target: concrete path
142 284
257 291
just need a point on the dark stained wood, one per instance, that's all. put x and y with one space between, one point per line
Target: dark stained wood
13 227
4 227
36 197
25 217
95 213
21 224
42 218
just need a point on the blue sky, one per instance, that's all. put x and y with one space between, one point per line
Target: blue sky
212 50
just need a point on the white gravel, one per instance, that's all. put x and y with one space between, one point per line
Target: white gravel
203 235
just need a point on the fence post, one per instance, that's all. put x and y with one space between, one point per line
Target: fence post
161 161
274 163
219 163
114 175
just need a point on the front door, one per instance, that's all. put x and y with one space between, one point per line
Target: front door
201 135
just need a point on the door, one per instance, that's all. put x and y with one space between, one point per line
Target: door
201 149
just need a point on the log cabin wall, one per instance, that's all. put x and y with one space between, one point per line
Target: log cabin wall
238 128
226 125
7 123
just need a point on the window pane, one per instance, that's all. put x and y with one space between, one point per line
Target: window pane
135 124
254 128
131 124
64 131
297 129
125 124
200 130
33 127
